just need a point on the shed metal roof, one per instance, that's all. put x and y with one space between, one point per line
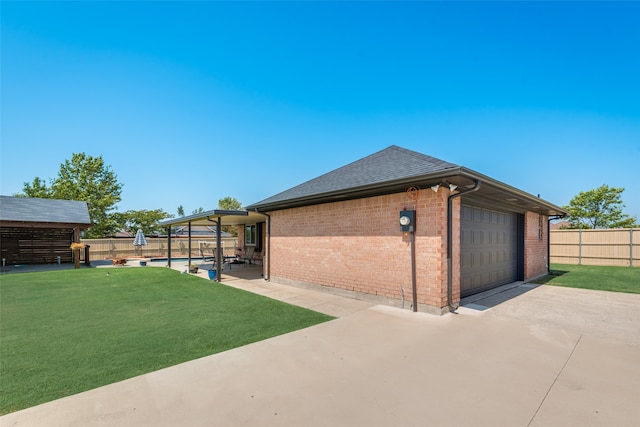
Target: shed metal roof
210 217
27 209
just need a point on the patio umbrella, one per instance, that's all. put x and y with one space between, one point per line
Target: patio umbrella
140 240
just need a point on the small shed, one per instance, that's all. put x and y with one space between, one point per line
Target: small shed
38 231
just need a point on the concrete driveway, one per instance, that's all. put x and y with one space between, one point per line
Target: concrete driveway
546 357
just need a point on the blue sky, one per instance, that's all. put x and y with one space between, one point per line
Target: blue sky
189 102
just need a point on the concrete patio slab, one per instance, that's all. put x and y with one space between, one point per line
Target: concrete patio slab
612 316
380 366
338 307
598 387
523 356
321 302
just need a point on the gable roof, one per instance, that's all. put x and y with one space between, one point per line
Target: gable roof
394 170
27 209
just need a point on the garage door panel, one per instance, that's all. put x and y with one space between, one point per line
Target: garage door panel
488 249
466 260
493 277
466 284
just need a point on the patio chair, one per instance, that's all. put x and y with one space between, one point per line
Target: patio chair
225 259
206 257
247 255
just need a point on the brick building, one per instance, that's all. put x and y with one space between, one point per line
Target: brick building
463 233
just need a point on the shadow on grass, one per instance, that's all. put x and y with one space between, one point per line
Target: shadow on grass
549 277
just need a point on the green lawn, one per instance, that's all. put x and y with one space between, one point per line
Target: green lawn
64 332
615 279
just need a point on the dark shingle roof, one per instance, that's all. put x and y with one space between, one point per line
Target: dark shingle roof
396 169
25 209
389 165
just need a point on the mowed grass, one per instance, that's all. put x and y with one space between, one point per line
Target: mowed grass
614 279
65 332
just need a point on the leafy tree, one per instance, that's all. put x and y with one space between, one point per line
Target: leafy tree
84 178
230 204
599 208
38 188
180 211
197 211
145 220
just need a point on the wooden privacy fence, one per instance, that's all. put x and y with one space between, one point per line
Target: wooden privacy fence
157 247
615 247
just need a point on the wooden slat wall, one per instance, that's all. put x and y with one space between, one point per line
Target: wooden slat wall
614 247
35 245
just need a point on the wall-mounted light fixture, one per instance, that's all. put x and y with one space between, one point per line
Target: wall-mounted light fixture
435 188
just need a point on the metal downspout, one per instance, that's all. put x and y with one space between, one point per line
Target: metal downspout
450 242
267 276
414 286
549 219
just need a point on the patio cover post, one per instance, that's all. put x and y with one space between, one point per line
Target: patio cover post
200 219
169 246
189 256
219 253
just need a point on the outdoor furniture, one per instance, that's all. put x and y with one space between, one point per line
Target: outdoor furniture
225 259
229 259
247 257
140 240
206 257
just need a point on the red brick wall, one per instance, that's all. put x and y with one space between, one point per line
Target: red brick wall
240 243
357 245
455 259
535 245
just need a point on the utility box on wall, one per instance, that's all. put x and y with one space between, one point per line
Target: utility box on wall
407 221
